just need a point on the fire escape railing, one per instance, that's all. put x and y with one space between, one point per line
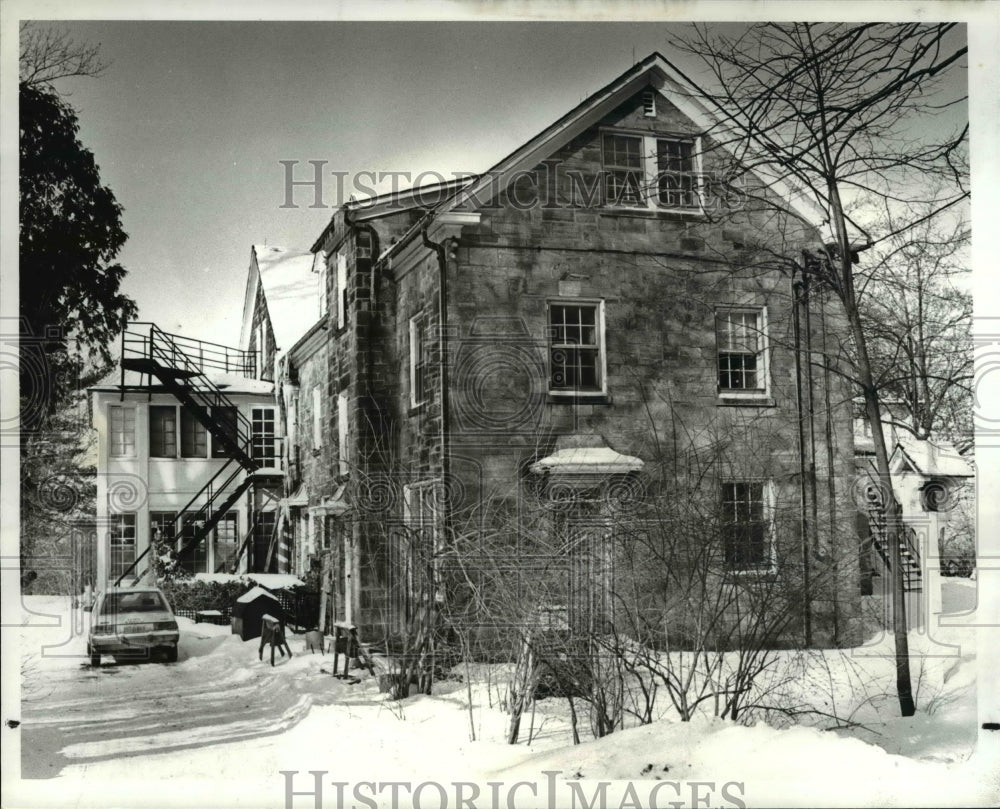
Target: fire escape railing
207 356
909 554
152 352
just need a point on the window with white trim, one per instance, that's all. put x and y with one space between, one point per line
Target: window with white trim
227 420
121 432
162 431
121 542
421 503
194 436
343 440
418 362
341 290
317 414
263 441
650 171
319 267
747 525
741 342
576 347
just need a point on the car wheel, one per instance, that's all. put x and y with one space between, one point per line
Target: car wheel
171 654
95 657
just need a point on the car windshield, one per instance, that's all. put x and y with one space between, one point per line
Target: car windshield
116 603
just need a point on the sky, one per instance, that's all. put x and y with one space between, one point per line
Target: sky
192 119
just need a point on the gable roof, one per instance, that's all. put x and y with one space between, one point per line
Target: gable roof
291 290
654 70
930 459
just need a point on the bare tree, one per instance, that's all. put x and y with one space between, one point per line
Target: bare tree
840 115
48 54
919 322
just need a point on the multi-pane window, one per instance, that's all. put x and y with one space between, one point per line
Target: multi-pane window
746 529
162 525
226 543
418 362
263 535
262 435
575 344
647 171
193 557
122 431
226 419
213 552
163 431
740 338
675 177
121 538
623 170
194 436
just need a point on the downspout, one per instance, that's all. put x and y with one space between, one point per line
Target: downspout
811 410
831 481
804 519
442 259
352 562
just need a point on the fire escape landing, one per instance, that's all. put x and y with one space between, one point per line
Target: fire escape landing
181 366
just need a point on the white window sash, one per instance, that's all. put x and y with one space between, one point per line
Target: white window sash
763 354
317 414
650 171
416 349
602 359
121 431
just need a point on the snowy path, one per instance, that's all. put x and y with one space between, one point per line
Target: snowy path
220 728
217 692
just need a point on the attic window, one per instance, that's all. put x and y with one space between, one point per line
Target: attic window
649 104
649 171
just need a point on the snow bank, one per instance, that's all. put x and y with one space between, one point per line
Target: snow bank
221 726
272 581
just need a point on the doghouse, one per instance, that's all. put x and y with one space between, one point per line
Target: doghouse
248 610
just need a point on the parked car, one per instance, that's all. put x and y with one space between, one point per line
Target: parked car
132 621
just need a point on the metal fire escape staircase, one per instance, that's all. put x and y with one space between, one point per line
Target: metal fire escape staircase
179 364
909 555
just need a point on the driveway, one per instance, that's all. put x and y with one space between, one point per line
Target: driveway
217 692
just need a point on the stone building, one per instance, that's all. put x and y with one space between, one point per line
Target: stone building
511 377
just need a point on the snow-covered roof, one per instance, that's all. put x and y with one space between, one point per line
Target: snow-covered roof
291 289
586 455
931 458
255 593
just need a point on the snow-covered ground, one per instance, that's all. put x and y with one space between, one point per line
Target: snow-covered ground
218 728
